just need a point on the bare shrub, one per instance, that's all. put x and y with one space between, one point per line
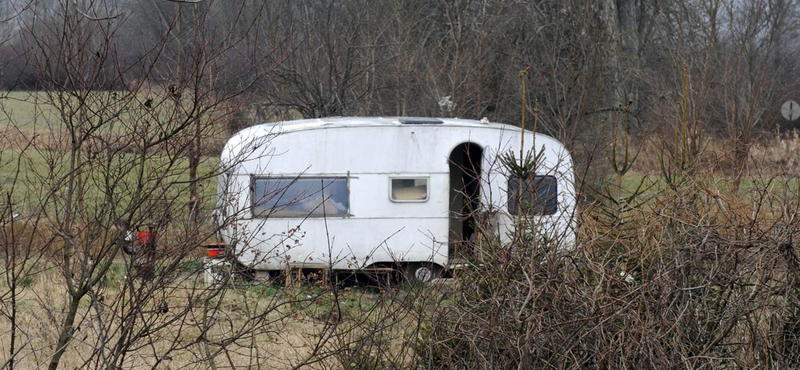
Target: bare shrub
680 272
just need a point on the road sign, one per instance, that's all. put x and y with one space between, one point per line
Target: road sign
790 110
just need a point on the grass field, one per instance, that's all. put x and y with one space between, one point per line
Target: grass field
27 111
30 177
34 157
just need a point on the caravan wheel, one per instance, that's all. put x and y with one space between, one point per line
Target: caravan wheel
422 273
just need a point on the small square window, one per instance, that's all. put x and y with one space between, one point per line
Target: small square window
539 196
409 189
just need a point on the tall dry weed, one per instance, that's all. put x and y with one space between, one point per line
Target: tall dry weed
679 269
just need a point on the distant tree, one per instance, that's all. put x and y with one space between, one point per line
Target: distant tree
738 58
332 53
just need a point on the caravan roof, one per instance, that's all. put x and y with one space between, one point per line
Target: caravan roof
275 128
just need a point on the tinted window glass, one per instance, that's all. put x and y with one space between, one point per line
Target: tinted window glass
410 189
538 196
300 197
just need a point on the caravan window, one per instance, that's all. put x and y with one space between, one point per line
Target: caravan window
300 197
409 189
538 196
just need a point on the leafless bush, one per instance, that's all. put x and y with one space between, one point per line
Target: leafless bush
678 270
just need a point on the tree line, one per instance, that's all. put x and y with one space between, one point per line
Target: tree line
447 57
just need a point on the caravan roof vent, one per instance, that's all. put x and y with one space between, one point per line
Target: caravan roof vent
420 121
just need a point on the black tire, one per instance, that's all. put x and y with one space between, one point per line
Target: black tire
421 273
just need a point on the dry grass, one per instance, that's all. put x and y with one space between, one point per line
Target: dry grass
776 154
288 335
782 150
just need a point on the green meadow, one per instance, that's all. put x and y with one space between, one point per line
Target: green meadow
35 163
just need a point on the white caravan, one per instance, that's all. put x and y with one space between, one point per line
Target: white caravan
356 193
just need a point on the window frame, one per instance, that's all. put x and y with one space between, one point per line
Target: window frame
411 177
293 179
512 197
